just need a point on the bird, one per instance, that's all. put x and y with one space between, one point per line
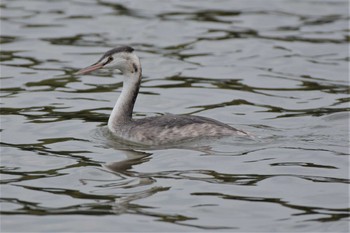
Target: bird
155 130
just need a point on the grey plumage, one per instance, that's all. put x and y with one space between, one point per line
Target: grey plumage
172 128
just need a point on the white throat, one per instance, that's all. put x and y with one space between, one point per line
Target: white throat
122 111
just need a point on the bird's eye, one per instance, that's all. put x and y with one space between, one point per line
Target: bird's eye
108 60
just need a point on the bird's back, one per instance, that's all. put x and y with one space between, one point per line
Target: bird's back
171 128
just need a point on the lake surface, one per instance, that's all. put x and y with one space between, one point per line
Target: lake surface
277 69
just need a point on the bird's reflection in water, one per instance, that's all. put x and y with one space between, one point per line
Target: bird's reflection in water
133 158
139 185
129 185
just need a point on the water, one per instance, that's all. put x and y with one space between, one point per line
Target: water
278 69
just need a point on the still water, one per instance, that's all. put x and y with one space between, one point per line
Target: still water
277 69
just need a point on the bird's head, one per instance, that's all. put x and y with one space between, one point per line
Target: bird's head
121 58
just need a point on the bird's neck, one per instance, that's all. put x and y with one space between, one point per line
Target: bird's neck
122 111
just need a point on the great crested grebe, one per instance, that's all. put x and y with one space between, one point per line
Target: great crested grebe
156 130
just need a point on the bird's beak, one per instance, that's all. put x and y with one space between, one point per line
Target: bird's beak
90 68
